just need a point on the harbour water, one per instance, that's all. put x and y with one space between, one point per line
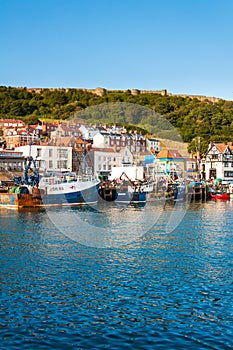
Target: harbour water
161 290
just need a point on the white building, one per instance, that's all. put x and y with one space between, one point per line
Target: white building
105 159
219 162
87 132
153 144
101 139
125 156
49 158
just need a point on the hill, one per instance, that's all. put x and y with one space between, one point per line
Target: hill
209 119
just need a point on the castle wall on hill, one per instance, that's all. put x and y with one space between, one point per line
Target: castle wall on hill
163 92
99 91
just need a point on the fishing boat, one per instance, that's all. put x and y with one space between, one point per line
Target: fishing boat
54 189
68 189
130 191
123 190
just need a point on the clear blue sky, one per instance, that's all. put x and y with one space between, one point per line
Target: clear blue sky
184 46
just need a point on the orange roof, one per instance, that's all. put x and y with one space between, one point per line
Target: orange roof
169 153
80 141
221 147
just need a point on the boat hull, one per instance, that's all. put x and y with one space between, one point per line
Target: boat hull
131 197
14 200
222 196
87 195
39 199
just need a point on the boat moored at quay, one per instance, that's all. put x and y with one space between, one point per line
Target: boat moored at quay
124 190
60 193
68 189
50 190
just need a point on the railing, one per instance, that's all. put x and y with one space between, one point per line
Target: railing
6 154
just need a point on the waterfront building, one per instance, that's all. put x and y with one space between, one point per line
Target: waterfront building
218 163
48 157
192 168
11 161
171 162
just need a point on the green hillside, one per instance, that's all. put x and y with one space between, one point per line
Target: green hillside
191 117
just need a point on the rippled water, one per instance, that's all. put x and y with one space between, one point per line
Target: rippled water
163 290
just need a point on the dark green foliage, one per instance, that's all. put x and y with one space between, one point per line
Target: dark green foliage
191 117
31 120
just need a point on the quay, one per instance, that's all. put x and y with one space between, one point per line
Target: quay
197 191
192 191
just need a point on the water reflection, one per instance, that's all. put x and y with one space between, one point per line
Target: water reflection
168 290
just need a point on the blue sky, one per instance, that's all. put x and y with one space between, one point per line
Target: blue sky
184 46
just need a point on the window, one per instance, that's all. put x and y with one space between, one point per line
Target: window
50 153
228 173
62 153
214 156
39 164
225 164
62 164
50 164
38 152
